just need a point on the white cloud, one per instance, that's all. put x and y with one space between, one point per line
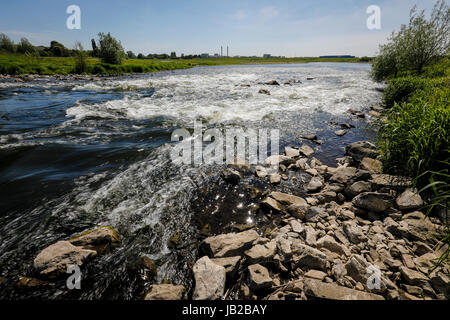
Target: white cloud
239 15
268 13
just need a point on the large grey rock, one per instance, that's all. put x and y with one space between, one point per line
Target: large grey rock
413 277
165 292
306 150
209 280
287 199
330 244
259 277
409 200
230 244
317 289
54 260
358 187
361 149
373 201
347 175
315 184
291 152
380 181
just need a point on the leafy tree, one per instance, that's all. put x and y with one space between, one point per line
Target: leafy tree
131 55
111 50
140 56
58 49
80 56
95 51
6 44
416 45
25 46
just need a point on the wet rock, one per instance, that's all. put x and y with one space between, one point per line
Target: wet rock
272 83
317 289
165 292
340 133
315 184
372 165
26 282
361 149
230 244
298 210
209 280
287 199
101 239
264 91
409 200
261 252
149 265
311 137
261 172
230 264
345 175
54 260
231 176
372 201
306 150
259 277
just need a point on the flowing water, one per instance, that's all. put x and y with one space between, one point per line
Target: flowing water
79 154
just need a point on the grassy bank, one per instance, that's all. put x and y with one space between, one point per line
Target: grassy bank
16 64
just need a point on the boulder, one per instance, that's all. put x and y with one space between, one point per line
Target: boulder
340 133
358 187
54 260
101 239
386 181
345 175
271 205
230 244
413 277
165 292
209 280
318 289
361 149
259 277
409 200
373 201
287 199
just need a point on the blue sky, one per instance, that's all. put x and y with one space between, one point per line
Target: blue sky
249 27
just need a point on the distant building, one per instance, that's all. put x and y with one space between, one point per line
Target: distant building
204 55
266 55
344 56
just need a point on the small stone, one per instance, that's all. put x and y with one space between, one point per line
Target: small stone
261 252
264 91
296 226
230 264
209 280
315 274
291 152
230 244
372 201
259 277
271 205
314 185
165 292
275 178
340 133
409 200
261 172
354 232
306 150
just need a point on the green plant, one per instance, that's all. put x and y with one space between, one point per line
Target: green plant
6 44
80 56
111 50
25 46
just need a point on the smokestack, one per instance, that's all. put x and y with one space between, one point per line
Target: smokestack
221 51
227 51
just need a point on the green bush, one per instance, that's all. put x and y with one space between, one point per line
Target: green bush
111 50
401 89
98 69
414 137
6 44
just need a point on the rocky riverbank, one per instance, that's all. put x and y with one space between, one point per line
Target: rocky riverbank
348 232
359 234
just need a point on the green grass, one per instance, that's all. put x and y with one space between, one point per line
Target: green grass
16 64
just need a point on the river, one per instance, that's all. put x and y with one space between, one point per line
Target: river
77 154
